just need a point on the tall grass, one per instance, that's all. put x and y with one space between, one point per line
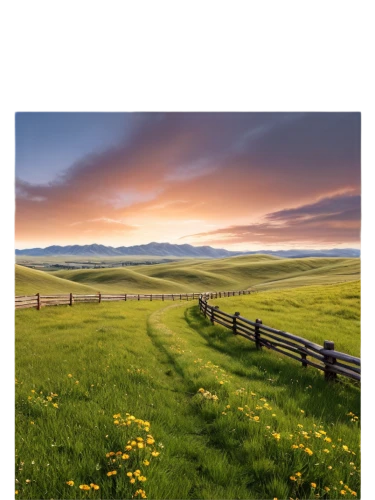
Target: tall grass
226 419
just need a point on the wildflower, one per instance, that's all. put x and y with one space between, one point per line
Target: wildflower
16 492
294 446
298 474
133 443
353 493
70 375
132 481
329 467
300 426
325 450
240 408
129 474
256 418
276 436
146 462
221 382
112 473
32 423
125 456
343 492
137 473
150 441
329 440
227 407
140 445
55 405
94 486
128 448
313 485
118 453
344 447
155 453
326 488
85 487
142 479
302 411
292 478
70 483
308 451
201 390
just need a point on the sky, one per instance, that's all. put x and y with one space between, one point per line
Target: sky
241 181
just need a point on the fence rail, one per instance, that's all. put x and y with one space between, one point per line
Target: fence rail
324 358
38 300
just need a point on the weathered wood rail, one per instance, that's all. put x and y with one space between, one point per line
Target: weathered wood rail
38 300
324 358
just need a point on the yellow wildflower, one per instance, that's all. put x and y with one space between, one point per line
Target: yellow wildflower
140 445
344 447
125 456
146 462
325 450
70 483
313 485
70 375
85 487
132 481
94 486
128 448
326 488
129 474
240 408
150 441
308 451
142 479
155 453
329 440
298 474
343 492
292 478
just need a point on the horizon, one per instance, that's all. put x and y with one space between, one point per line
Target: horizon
239 181
198 246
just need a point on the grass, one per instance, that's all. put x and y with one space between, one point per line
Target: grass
252 271
317 313
228 421
31 281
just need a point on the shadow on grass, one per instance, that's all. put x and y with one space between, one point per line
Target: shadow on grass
326 401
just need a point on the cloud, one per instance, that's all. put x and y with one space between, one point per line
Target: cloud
331 220
212 167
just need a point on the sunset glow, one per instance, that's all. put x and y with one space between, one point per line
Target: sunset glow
241 181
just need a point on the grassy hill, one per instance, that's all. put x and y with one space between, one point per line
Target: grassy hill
31 281
225 420
259 271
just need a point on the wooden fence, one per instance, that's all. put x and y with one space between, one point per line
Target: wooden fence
325 357
37 301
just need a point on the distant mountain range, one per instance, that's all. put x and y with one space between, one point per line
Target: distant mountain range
170 250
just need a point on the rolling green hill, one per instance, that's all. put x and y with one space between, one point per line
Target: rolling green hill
31 281
250 271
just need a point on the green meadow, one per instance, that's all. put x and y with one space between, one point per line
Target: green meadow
149 399
250 271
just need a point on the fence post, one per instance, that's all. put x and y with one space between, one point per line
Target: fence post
213 314
100 297
151 297
162 297
39 303
329 361
71 299
125 297
172 296
257 334
205 308
138 296
303 359
235 322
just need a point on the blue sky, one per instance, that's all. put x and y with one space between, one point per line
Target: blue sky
243 181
